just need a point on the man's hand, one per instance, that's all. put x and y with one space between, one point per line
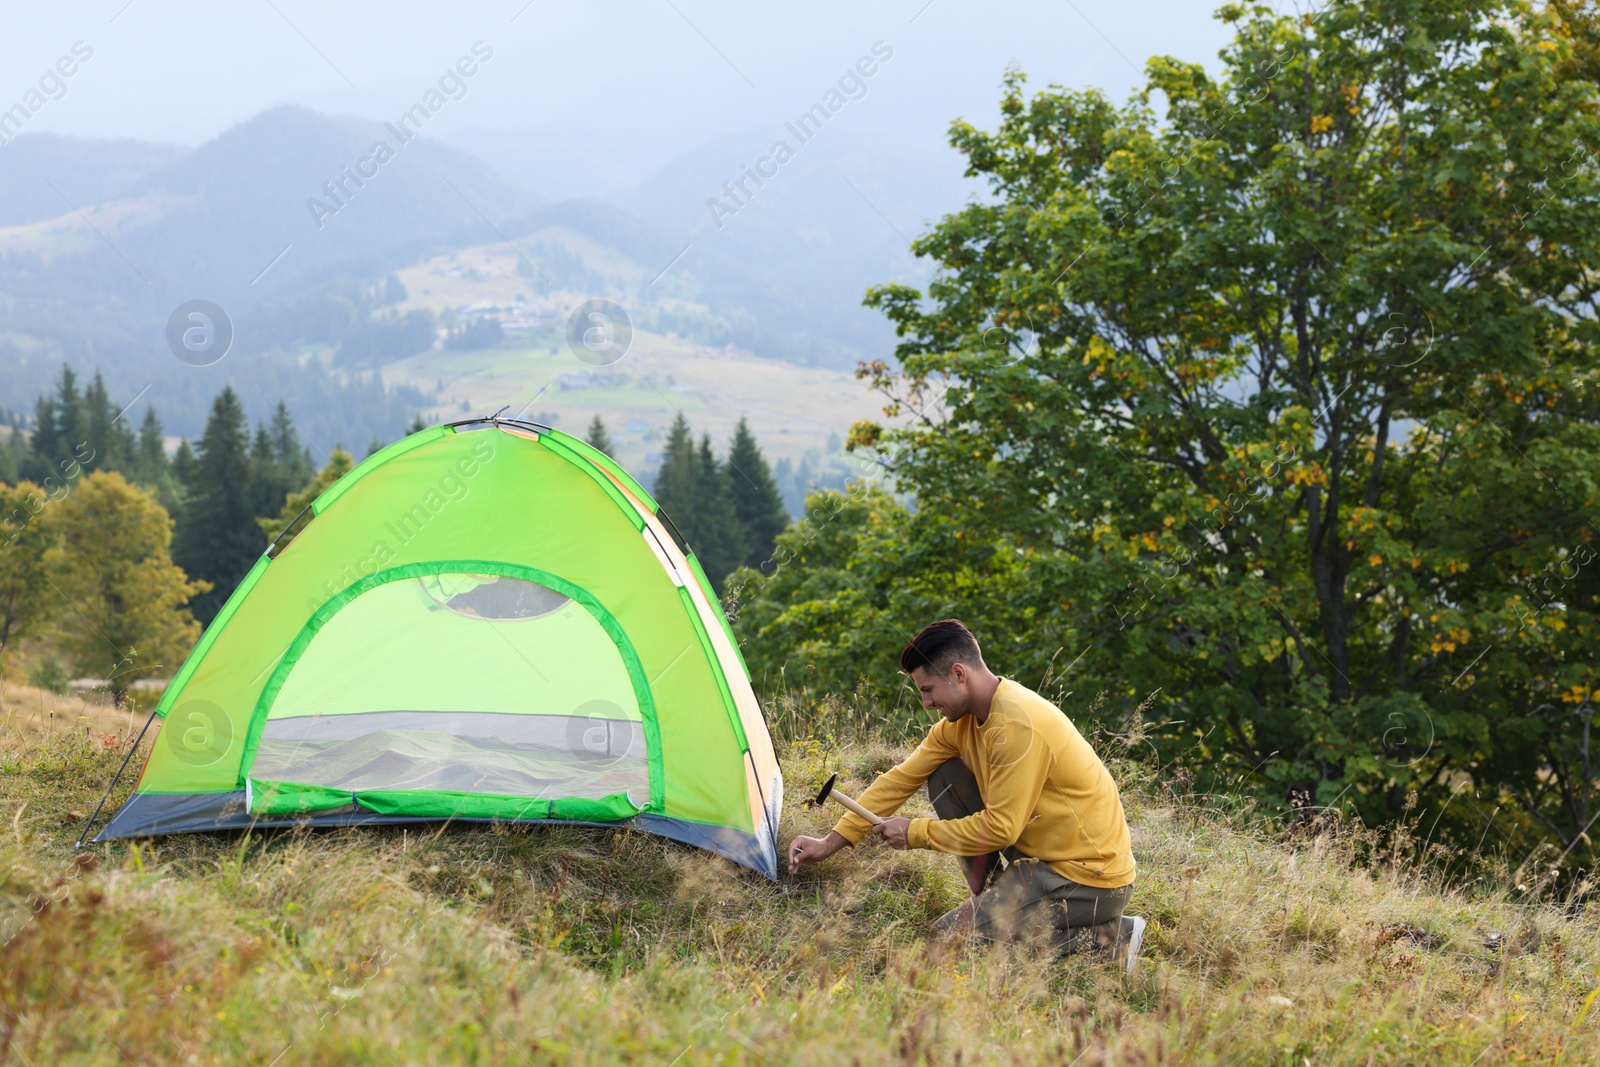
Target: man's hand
893 830
811 849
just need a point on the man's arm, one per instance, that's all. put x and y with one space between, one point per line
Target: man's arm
895 785
883 797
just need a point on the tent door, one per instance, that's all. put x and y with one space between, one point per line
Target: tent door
466 678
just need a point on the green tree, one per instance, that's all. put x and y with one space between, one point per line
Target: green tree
809 615
675 480
757 505
598 438
692 488
719 541
273 474
218 539
183 462
26 537
1580 23
151 466
72 448
70 423
17 446
340 463
110 441
293 456
39 464
1281 400
127 616
60 451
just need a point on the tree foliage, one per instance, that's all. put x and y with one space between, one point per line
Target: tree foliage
728 510
287 524
757 506
806 614
127 598
597 437
26 537
218 537
1275 391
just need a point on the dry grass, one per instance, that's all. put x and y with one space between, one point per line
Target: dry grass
571 945
29 715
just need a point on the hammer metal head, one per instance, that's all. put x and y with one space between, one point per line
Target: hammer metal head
822 794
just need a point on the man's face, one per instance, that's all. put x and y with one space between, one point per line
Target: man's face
949 693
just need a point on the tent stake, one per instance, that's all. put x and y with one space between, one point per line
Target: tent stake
114 780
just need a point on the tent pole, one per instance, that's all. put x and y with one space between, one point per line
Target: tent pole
289 527
115 779
777 853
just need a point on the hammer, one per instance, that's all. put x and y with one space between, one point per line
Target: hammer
827 791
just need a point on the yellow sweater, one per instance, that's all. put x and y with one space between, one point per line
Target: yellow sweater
1044 791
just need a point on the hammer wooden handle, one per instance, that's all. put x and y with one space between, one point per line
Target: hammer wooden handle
857 808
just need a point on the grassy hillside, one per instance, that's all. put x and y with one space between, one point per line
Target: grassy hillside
792 409
580 946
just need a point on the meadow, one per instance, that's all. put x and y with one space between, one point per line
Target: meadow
1320 944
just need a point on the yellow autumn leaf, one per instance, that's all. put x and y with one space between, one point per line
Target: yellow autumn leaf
1375 559
1321 123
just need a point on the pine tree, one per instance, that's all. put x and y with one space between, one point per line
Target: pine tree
183 462
597 437
691 487
218 539
41 465
277 467
675 481
9 467
757 505
294 456
70 431
720 541
287 524
264 497
152 466
109 440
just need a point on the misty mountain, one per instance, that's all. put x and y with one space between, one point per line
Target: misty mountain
784 260
797 250
94 284
82 173
292 220
330 190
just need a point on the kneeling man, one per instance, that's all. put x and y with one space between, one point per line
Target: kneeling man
1022 800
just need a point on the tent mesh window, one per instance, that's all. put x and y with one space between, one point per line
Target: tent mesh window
469 683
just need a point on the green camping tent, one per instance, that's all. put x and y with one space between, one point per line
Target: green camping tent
485 621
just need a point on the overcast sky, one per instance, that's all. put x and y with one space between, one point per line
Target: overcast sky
635 80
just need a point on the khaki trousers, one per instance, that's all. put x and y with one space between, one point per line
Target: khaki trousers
1025 899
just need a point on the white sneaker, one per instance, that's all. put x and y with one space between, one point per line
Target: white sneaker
1132 939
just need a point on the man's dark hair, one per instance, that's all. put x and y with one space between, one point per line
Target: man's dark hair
939 645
